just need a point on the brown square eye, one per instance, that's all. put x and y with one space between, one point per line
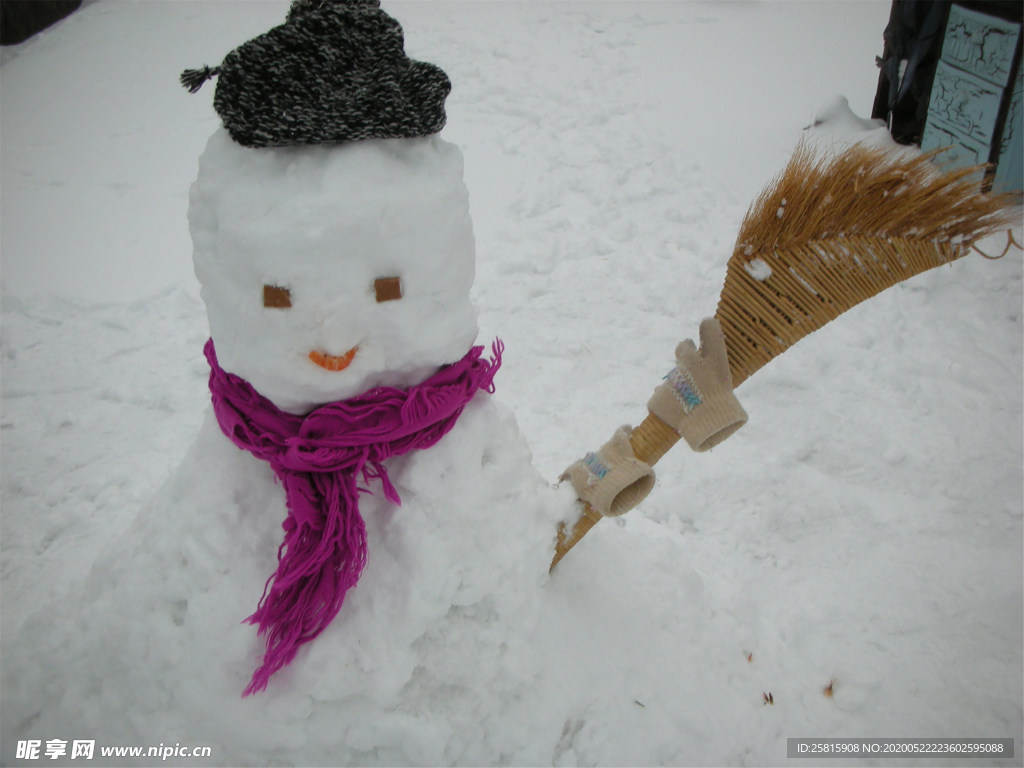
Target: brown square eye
276 297
388 288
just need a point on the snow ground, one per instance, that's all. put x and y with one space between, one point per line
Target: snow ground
866 525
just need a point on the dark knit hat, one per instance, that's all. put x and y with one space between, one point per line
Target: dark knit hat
335 71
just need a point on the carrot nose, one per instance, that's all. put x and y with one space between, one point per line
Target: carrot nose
333 362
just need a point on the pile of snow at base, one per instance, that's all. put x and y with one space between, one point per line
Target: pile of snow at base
325 222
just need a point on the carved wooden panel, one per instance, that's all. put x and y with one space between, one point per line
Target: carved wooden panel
970 89
965 104
980 44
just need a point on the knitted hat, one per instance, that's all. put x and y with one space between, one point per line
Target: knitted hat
335 71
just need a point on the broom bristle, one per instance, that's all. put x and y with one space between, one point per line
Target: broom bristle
831 231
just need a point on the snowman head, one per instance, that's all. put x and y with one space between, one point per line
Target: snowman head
330 224
328 270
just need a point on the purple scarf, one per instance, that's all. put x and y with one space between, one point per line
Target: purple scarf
317 458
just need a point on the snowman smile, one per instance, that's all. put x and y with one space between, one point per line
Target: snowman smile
333 362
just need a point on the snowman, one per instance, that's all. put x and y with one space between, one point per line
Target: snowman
340 537
335 249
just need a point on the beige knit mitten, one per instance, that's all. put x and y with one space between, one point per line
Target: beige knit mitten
613 480
696 399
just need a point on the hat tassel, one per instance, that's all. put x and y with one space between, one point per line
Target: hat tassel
193 79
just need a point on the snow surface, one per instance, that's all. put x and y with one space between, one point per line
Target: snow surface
864 527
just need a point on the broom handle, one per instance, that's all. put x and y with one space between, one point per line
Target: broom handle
650 441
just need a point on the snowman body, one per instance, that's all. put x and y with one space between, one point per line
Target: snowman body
430 626
326 225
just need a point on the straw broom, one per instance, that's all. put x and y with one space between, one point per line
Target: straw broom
827 233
